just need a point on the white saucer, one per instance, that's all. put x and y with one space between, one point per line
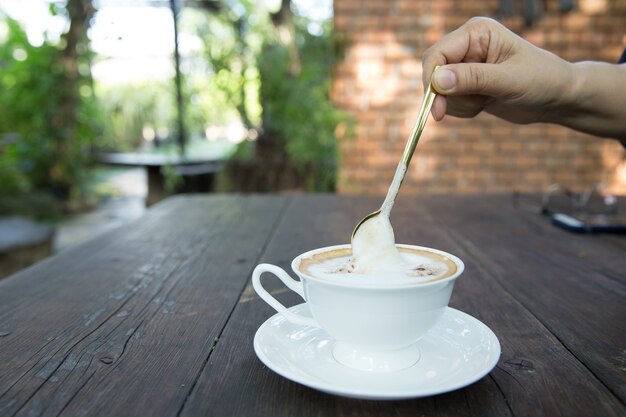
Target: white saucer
457 352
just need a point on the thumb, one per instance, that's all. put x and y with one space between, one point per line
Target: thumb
471 78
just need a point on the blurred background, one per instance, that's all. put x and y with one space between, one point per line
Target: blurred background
107 106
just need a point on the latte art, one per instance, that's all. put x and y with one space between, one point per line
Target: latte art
413 266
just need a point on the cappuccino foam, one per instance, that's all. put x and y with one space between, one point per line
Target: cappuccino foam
416 266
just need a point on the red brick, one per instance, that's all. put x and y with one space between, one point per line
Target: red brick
341 22
555 131
532 131
500 131
540 146
340 6
510 145
470 131
526 162
483 154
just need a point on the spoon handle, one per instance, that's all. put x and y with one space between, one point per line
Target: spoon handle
422 117
392 192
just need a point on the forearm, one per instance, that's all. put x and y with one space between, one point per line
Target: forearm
596 101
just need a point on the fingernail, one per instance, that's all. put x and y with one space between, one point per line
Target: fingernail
444 79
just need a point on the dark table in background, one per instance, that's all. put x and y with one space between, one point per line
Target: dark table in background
158 318
197 173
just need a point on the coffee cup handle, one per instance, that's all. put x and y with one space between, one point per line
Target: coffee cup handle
291 283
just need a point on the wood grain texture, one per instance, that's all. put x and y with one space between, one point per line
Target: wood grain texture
580 299
537 375
158 318
123 324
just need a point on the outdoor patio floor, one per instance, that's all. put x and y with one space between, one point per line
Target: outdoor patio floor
128 203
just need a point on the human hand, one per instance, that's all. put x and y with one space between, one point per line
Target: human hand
485 66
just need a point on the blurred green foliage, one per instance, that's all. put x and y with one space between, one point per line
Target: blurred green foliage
298 109
251 69
38 154
129 107
230 44
240 74
213 88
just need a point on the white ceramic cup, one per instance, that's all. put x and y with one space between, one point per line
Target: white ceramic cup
376 328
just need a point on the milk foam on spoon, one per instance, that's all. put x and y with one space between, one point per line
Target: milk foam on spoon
374 248
374 245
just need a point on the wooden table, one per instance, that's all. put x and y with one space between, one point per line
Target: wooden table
158 318
197 172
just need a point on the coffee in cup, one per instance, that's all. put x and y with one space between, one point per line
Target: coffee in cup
416 266
377 317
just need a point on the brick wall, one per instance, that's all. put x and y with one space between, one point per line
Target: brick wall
378 81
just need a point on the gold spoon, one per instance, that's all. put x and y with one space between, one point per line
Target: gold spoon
422 117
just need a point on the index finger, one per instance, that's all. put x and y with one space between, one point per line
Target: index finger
455 47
